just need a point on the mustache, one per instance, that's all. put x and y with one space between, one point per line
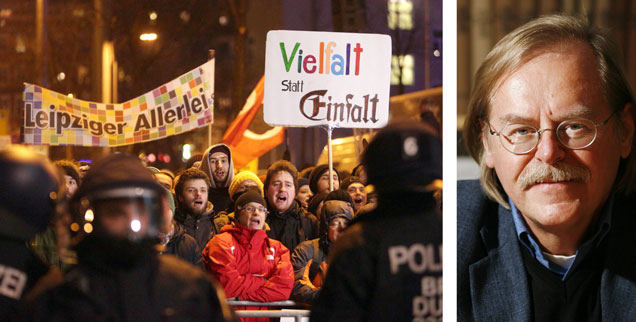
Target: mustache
541 172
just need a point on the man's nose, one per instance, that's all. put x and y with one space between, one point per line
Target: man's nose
549 149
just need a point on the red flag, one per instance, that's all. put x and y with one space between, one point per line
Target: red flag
245 144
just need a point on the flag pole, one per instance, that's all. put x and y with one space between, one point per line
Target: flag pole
329 150
210 57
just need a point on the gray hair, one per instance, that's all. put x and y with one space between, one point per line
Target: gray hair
514 50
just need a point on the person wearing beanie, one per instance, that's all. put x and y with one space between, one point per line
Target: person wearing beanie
119 210
354 186
315 204
71 176
217 164
360 172
249 265
319 179
304 193
194 161
242 181
174 240
288 221
392 255
310 257
165 178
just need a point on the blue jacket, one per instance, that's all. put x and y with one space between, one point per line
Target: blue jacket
491 278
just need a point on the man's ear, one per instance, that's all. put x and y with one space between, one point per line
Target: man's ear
627 136
487 154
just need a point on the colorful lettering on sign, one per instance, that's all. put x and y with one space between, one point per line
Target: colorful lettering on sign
329 60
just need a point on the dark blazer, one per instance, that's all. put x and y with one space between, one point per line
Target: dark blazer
491 278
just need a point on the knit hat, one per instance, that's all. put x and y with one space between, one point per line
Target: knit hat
315 175
404 156
69 169
242 177
302 182
315 201
347 182
250 196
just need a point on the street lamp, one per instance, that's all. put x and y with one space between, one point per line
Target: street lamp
150 36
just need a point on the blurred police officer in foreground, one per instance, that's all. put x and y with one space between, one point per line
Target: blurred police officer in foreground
387 266
29 189
119 209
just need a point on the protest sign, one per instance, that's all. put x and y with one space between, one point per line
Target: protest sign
181 105
327 78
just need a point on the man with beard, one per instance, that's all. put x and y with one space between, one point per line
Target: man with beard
194 212
217 164
545 234
119 209
288 221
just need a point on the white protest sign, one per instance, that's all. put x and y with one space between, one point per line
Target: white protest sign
320 78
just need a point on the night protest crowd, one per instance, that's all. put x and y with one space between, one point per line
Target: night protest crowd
128 242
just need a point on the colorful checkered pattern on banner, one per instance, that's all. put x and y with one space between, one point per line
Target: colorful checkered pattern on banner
184 104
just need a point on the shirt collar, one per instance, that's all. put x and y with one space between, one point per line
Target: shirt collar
528 241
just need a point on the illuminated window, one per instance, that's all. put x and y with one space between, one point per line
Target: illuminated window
400 14
408 66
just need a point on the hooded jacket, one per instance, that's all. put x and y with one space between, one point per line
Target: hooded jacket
249 265
293 226
316 250
201 227
218 194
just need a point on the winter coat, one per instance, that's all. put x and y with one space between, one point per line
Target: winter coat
183 246
293 226
201 228
249 265
306 288
159 288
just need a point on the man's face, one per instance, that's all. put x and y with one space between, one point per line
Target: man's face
336 227
219 164
194 196
164 180
281 191
358 195
304 194
252 215
323 182
71 186
559 83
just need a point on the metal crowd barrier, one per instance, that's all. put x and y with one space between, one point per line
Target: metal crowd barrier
293 313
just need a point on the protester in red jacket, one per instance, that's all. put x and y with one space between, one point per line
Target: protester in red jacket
249 265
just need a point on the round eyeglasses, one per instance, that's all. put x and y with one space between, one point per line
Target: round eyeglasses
262 210
575 134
